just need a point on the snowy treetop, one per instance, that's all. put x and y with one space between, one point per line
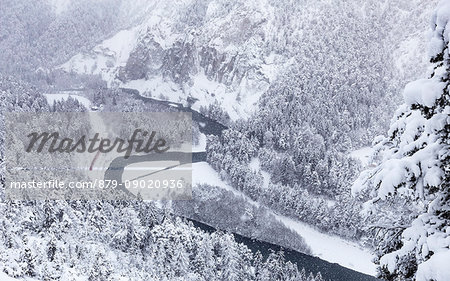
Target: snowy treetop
414 165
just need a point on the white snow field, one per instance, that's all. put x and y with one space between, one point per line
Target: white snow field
5 277
332 248
363 155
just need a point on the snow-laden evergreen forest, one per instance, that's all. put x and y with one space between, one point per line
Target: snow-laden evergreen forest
320 137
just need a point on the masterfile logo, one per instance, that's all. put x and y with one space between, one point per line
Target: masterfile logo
98 155
55 143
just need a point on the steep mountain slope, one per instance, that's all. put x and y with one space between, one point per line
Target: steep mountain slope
231 52
37 35
113 240
190 49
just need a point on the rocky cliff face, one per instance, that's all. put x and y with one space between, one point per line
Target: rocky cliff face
230 52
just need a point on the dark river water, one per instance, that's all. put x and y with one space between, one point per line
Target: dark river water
329 271
206 126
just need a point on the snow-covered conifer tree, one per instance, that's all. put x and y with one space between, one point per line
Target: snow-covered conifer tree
415 167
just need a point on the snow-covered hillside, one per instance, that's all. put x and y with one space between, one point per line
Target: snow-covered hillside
327 247
413 173
177 55
231 52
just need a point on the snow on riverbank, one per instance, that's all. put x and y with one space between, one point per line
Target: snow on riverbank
201 146
332 248
203 173
327 247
